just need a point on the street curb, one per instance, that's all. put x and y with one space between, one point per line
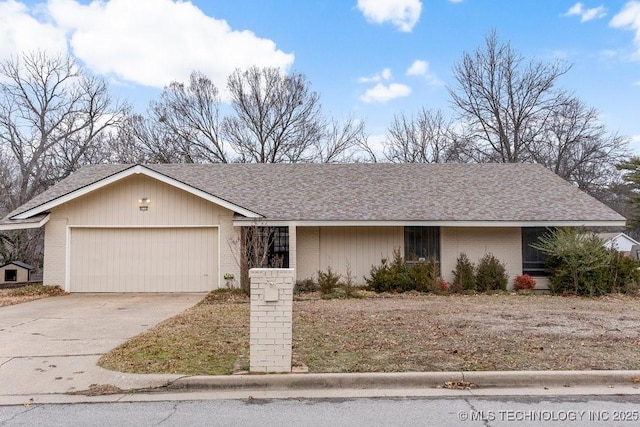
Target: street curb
407 380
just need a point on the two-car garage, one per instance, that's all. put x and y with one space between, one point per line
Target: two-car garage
153 259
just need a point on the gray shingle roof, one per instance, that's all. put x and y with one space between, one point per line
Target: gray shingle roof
19 264
375 192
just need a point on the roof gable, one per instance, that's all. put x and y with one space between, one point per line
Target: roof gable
612 238
50 201
19 264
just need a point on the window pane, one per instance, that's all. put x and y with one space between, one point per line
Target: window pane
534 262
11 275
279 248
421 243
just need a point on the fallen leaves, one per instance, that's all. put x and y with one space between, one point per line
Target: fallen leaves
99 390
459 385
28 293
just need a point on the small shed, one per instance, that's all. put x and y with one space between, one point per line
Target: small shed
618 241
15 272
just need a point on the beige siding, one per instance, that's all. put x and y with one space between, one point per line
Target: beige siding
229 237
55 246
293 249
117 205
22 275
358 248
143 260
308 252
504 243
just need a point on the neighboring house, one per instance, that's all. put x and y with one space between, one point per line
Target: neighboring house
15 272
618 241
175 227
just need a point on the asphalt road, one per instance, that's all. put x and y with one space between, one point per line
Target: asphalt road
478 411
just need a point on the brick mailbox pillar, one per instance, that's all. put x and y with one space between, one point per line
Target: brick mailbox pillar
271 319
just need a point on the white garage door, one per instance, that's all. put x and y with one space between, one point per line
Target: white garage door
143 260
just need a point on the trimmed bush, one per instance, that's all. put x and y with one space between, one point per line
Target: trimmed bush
624 276
418 277
524 282
305 285
464 275
424 276
328 281
491 274
390 276
398 276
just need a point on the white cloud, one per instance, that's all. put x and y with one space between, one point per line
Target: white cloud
154 42
418 68
456 1
629 18
421 68
404 14
383 93
586 15
21 31
383 75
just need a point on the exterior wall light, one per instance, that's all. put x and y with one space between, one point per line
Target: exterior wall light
144 204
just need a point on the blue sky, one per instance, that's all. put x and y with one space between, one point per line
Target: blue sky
368 59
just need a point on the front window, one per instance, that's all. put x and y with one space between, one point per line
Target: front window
279 248
11 275
534 262
421 243
266 247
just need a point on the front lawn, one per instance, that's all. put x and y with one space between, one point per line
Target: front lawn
410 332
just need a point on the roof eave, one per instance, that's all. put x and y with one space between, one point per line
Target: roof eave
447 223
24 225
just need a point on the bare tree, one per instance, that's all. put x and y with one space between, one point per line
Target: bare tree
52 115
142 140
504 100
425 138
188 116
340 141
250 249
575 145
53 119
277 117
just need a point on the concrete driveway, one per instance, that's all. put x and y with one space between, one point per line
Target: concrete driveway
52 345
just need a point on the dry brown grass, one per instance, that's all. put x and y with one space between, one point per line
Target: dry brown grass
403 333
28 293
206 339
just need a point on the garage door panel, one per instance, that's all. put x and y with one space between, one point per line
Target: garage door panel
143 260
